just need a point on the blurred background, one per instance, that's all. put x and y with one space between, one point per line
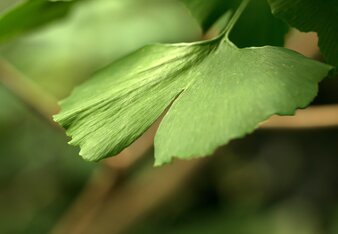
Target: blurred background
275 181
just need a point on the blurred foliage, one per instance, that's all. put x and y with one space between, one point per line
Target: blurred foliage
205 12
270 183
256 27
40 174
94 34
8 4
12 25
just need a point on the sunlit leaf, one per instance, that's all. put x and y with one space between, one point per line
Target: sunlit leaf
57 60
219 92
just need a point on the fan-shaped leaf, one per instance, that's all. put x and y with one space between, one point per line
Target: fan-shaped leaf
219 92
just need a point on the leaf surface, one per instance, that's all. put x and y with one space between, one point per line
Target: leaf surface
233 90
218 92
108 113
313 15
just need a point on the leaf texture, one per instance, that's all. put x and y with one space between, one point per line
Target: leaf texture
216 92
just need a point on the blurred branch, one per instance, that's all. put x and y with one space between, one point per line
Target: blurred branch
102 183
87 204
304 43
137 199
27 91
131 155
312 117
133 200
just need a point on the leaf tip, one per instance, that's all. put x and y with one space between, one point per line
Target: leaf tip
160 162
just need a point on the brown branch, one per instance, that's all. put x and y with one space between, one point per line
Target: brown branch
124 206
304 43
87 205
102 183
312 117
28 92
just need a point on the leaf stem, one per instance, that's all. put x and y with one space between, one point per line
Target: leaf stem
234 19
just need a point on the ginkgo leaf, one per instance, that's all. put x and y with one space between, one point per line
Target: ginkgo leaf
31 14
232 91
218 92
313 15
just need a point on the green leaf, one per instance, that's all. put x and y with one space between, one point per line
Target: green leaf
313 15
30 15
218 92
258 27
46 57
233 90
